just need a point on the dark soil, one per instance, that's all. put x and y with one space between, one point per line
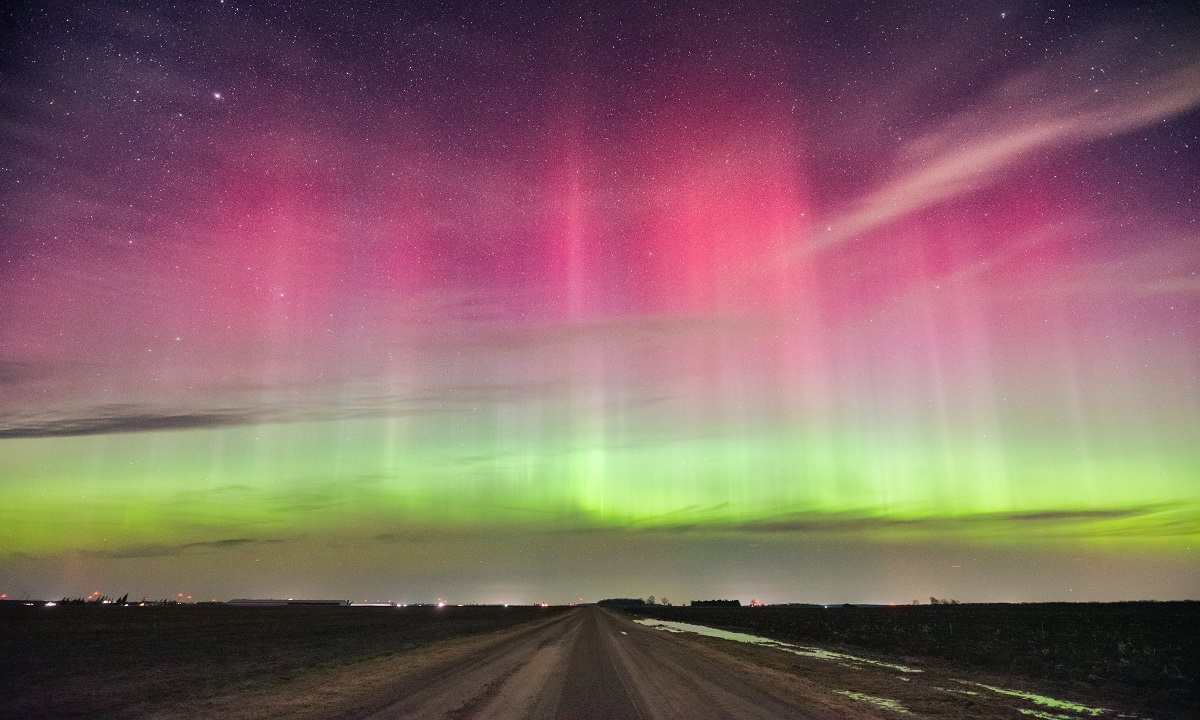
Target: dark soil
94 661
1146 653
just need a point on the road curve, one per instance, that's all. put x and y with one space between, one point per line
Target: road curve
588 664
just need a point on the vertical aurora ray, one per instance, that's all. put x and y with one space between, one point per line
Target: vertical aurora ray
542 294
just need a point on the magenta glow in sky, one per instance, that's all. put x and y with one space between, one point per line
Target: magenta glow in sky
807 302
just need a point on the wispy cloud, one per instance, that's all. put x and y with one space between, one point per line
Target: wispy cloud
479 343
628 330
15 371
118 422
1046 108
1151 521
166 550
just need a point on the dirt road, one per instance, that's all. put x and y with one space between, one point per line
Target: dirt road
591 663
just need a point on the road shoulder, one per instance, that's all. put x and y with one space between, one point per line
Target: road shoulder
352 691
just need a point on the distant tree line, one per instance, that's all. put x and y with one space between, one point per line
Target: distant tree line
716 603
106 600
633 602
96 600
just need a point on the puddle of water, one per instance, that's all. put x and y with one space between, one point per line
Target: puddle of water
1043 715
952 690
1042 700
881 702
672 626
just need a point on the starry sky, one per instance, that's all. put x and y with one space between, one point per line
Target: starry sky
498 302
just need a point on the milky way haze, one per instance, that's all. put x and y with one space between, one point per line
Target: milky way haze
798 301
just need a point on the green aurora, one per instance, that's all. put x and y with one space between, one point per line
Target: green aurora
536 307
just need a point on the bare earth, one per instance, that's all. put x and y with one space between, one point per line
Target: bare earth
593 664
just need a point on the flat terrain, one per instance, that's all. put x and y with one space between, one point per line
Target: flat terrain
595 664
1136 655
110 661
482 662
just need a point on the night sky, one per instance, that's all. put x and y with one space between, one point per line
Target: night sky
813 301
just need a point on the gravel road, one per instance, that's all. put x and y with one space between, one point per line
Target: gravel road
586 664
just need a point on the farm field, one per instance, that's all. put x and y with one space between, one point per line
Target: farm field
1140 655
1055 661
114 662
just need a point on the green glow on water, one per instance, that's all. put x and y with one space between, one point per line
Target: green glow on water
1043 715
887 703
1046 701
804 650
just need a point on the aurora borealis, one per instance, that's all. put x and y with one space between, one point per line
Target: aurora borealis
818 301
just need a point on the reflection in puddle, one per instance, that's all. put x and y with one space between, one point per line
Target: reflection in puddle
881 702
812 652
854 662
1043 700
952 690
1043 715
